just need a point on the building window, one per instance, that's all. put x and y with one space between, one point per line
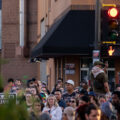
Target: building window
42 28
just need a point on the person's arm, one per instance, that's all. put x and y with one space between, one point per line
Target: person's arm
106 86
106 66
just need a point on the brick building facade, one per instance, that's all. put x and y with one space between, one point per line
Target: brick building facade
40 15
18 65
52 11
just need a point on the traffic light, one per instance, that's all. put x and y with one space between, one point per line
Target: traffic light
113 24
110 32
110 26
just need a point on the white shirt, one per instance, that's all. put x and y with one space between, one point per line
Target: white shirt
55 112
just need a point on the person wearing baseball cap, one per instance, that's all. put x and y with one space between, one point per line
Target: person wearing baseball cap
70 82
69 90
98 63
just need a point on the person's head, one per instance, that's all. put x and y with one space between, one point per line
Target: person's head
92 112
51 101
18 82
30 83
84 100
11 82
60 81
58 86
44 90
73 102
91 95
29 98
98 64
67 102
102 99
116 97
68 113
44 116
58 94
44 84
83 92
37 106
117 87
69 85
33 91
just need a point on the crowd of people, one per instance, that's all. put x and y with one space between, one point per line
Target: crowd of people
67 102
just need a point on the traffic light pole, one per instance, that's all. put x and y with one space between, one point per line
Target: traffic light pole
97 24
96 52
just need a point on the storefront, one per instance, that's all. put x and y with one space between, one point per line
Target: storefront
69 43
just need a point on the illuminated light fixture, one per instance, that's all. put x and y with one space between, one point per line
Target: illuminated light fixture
111 51
113 12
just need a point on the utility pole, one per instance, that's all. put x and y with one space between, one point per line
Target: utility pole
97 24
96 52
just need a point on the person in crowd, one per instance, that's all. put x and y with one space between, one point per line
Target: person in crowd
102 99
82 84
30 83
18 83
44 90
44 116
17 86
29 100
108 97
69 90
57 87
60 81
99 79
93 98
67 103
116 102
53 108
92 112
9 86
36 110
83 92
117 87
44 85
61 102
68 114
111 108
84 100
73 103
80 112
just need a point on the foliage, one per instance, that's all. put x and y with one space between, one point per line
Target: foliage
13 111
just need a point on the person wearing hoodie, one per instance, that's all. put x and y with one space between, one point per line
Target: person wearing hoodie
99 79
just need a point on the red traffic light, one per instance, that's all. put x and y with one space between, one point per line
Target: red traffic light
113 12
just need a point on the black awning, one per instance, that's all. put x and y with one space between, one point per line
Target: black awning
72 34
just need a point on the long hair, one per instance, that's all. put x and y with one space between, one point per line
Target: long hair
55 101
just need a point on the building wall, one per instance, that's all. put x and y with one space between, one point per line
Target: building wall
17 65
51 10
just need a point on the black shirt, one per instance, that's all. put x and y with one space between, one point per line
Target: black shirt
67 96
